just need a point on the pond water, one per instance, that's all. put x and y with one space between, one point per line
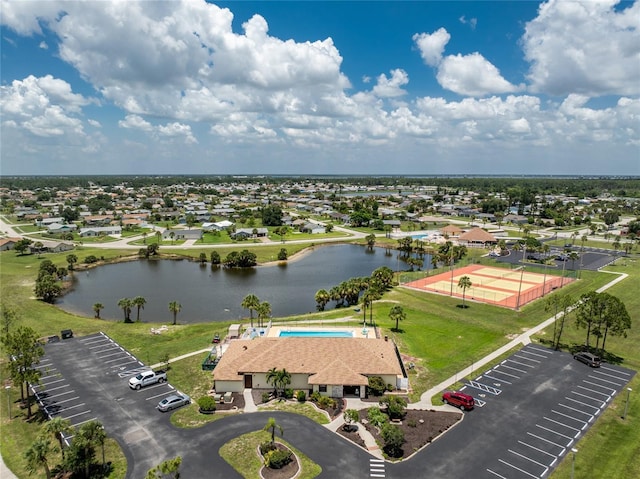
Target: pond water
215 294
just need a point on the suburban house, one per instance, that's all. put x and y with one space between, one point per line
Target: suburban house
175 234
312 228
8 243
56 228
100 230
217 226
334 367
244 233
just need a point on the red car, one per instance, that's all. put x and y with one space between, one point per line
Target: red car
458 399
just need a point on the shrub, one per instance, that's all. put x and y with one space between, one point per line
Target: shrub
377 387
301 396
326 402
91 259
412 423
207 403
395 406
265 397
277 458
267 446
288 393
376 417
393 438
315 396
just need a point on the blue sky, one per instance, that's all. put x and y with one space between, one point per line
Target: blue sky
188 87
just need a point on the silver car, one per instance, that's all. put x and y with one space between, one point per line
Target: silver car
172 402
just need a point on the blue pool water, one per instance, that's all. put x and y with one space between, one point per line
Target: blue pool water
315 334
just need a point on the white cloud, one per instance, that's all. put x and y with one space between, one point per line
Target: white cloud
170 130
584 47
43 45
391 87
432 45
94 123
472 22
135 122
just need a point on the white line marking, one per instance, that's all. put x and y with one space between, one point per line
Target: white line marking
616 370
496 474
576 410
159 395
547 440
529 459
554 432
119 353
594 391
79 414
588 397
606 381
61 394
568 417
117 359
497 379
70 407
522 364
526 359
82 422
600 386
517 468
43 385
526 351
66 400
610 376
53 389
560 423
506 374
583 403
515 369
537 449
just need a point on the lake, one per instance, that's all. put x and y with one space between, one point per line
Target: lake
214 294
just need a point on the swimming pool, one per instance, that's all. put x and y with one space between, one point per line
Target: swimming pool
315 334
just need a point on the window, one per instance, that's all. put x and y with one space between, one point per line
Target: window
322 388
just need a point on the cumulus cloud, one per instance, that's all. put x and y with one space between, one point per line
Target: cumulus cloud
591 48
432 45
44 106
170 130
470 75
391 87
472 22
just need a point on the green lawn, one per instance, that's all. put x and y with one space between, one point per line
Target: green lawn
441 337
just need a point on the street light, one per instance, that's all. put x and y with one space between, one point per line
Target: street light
626 404
8 389
573 462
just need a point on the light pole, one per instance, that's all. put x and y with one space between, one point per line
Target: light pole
573 461
8 389
626 404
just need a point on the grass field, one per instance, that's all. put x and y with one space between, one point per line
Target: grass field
440 337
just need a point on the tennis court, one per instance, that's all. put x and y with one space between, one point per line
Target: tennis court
502 287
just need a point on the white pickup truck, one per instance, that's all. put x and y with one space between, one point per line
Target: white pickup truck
145 378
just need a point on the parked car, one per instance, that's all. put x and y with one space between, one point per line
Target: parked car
146 378
173 402
588 358
458 399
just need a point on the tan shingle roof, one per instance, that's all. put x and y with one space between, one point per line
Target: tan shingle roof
331 359
451 230
478 234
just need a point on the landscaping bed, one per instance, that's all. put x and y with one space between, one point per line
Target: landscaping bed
420 427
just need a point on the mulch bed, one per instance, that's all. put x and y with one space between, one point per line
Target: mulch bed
352 436
287 472
238 402
433 424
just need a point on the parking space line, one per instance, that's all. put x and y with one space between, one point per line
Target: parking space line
58 387
583 403
560 423
61 394
78 414
149 388
496 474
66 400
126 361
536 449
82 422
589 397
517 468
100 345
526 351
606 381
550 442
600 386
119 353
610 376
159 395
43 385
527 359
556 433
45 366
529 459
521 364
577 410
616 370
568 417
594 391
497 379
506 374
70 407
93 339
515 369
113 360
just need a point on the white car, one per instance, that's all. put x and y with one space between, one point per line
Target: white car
173 402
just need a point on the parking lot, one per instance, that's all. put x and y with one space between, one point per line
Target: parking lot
531 410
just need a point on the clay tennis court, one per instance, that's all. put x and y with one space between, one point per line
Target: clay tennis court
502 287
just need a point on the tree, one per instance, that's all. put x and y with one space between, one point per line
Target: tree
397 314
350 416
93 432
272 378
22 245
393 438
282 255
215 257
464 283
126 304
25 352
72 259
271 215
322 297
272 425
7 318
166 470
284 379
58 427
37 456
175 308
251 302
139 303
202 259
97 307
371 240
395 406
264 312
47 288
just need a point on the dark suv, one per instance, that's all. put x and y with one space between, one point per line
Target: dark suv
458 399
588 358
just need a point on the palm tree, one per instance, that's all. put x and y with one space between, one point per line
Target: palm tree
272 378
175 308
251 302
272 425
158 237
97 307
126 305
322 298
144 237
94 433
284 379
139 302
397 314
264 312
464 283
371 241
59 427
38 454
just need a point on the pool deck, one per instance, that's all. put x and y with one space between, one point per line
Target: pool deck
357 332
